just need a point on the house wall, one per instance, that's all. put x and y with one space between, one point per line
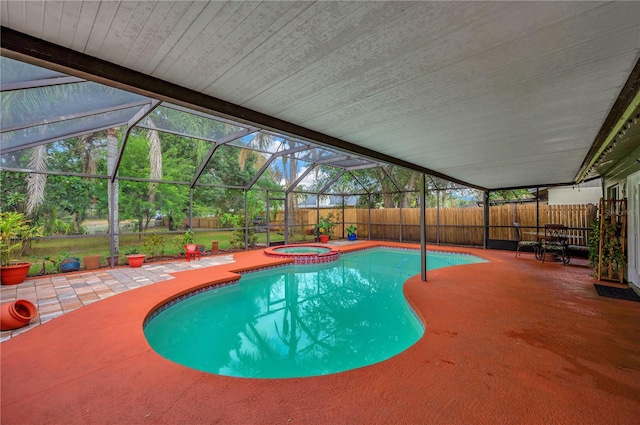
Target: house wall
633 226
574 195
623 181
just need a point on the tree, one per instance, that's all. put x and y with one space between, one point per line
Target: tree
137 195
513 194
12 191
65 198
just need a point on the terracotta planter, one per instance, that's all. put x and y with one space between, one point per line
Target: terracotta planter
135 260
214 247
324 238
16 314
91 262
14 274
116 260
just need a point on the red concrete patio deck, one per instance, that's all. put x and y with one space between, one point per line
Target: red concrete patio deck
510 341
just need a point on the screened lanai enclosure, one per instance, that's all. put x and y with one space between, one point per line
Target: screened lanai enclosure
110 171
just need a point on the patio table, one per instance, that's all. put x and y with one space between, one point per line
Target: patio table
554 240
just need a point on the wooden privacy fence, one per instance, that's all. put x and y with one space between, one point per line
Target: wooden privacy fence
206 223
457 226
579 219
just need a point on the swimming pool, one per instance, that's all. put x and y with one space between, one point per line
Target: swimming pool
299 320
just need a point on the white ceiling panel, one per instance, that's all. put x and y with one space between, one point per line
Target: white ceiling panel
495 94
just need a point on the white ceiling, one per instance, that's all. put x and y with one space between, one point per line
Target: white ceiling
495 94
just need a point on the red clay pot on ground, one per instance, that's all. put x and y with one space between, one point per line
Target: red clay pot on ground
17 314
91 262
116 260
324 238
14 274
135 260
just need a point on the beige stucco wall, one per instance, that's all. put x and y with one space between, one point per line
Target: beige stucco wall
571 195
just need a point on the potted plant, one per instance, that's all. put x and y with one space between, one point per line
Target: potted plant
188 237
325 227
351 232
15 231
134 257
116 260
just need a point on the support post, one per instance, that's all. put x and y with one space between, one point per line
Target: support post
538 209
369 224
342 216
191 208
438 217
485 241
317 234
400 230
286 218
246 221
112 226
268 220
423 230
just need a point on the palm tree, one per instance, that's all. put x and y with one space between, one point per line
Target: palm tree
23 103
36 182
265 141
155 164
112 188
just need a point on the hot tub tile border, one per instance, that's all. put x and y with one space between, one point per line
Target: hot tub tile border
305 258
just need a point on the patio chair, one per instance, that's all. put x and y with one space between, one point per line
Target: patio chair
555 242
534 244
192 250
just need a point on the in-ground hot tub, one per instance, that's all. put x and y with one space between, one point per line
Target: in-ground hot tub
304 254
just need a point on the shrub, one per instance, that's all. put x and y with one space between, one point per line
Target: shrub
154 245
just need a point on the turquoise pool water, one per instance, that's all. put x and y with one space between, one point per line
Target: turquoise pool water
301 320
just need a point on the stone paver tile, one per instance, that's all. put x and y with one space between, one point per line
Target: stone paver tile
46 317
48 301
70 309
45 312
